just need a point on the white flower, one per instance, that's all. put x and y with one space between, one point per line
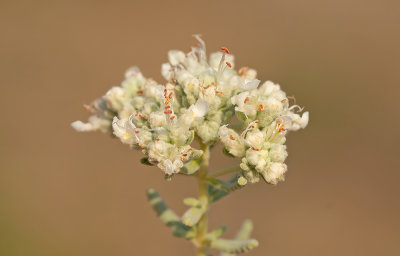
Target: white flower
299 122
275 173
172 167
249 84
257 158
114 98
244 103
199 109
94 124
132 71
232 141
175 57
125 130
278 153
255 138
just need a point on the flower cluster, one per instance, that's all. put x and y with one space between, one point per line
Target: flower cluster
198 101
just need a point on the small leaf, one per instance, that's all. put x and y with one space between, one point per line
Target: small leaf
216 233
220 188
191 167
193 215
145 161
243 234
245 230
226 152
190 201
169 217
233 246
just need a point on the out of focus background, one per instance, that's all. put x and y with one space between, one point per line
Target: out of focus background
67 193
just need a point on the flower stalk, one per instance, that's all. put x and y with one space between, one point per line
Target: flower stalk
204 200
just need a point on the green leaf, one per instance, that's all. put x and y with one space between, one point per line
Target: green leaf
243 234
218 189
191 167
233 246
145 161
245 230
169 217
226 152
216 233
193 215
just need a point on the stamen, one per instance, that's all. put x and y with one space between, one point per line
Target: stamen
136 131
225 50
170 95
184 154
142 116
212 83
218 92
231 137
260 107
208 86
167 107
140 92
157 139
173 80
140 146
190 149
168 111
87 108
137 112
281 127
255 149
172 117
246 100
229 64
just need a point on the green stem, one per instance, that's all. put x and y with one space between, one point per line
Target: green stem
232 169
203 197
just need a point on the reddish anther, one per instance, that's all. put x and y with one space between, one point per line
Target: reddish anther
168 111
246 100
225 50
260 107
231 137
142 116
170 95
255 149
140 92
167 107
136 131
229 64
172 117
208 86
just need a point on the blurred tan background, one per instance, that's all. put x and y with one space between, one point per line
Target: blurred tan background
66 193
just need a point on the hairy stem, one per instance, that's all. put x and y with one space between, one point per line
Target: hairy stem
203 197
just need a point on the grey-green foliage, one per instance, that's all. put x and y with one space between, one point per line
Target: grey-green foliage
193 215
219 188
169 217
242 235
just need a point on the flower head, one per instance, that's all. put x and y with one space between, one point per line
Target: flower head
198 100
